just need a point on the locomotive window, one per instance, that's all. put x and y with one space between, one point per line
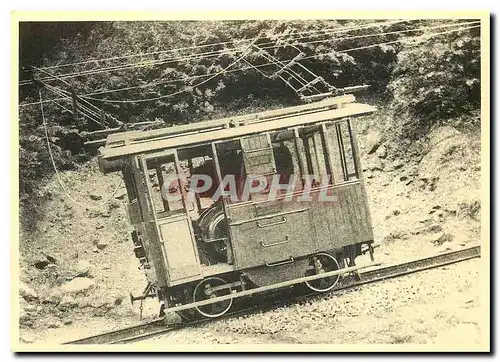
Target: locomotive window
230 157
325 152
166 198
203 165
341 151
155 190
315 153
164 189
310 155
286 159
197 164
347 144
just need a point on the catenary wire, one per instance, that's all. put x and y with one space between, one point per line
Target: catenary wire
386 33
309 57
190 87
393 42
236 70
85 111
148 63
190 57
340 29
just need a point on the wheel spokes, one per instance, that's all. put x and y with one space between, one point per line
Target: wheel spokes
323 263
204 290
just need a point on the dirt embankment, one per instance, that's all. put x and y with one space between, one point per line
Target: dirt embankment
425 196
78 267
79 263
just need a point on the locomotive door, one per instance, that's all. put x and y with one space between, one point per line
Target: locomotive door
168 212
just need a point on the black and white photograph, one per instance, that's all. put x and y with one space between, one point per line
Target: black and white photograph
254 184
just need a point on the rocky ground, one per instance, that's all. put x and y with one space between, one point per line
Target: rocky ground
424 199
77 266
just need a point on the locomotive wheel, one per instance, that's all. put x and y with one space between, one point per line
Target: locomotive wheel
323 263
204 291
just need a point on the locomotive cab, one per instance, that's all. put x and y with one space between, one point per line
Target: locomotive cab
254 202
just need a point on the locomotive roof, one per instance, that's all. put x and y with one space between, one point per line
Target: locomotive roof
124 144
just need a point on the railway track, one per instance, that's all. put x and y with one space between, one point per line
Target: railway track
158 326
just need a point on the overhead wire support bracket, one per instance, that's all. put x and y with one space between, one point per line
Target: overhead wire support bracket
288 65
335 92
265 75
304 84
310 84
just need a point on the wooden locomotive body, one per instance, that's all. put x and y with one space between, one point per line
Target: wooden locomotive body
281 201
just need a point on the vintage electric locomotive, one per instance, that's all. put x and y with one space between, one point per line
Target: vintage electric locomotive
280 201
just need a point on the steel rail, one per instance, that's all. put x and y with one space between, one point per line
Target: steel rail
158 326
127 332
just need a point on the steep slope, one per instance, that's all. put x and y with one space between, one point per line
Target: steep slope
78 267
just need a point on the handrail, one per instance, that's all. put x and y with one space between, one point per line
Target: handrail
269 216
